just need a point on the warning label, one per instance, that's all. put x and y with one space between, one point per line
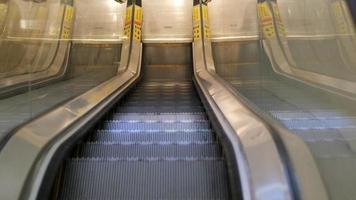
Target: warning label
138 23
280 26
67 22
127 28
196 22
206 22
266 20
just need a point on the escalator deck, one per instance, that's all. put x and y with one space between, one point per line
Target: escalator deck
158 144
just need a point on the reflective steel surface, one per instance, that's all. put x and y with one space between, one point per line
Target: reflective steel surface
167 21
315 46
233 20
99 20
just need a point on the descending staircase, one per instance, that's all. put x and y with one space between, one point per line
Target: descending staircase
157 145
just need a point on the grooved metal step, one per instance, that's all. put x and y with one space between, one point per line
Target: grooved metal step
91 179
117 125
155 131
123 150
162 102
106 136
160 109
163 91
166 96
313 123
158 144
159 117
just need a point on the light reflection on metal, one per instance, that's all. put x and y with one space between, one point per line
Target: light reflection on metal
120 1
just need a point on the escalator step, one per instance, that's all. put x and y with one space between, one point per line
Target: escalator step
159 117
327 135
136 150
91 179
167 96
164 88
160 109
318 114
161 102
154 137
313 123
119 131
141 126
158 145
160 91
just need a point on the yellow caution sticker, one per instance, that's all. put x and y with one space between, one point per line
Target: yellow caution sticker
266 20
196 22
206 21
67 23
279 23
127 27
196 14
138 23
340 21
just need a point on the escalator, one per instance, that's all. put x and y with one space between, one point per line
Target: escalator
285 95
156 143
326 122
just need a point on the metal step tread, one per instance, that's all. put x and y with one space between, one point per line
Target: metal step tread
117 125
158 145
159 117
153 131
160 109
91 179
313 123
167 94
142 150
161 102
166 99
154 137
